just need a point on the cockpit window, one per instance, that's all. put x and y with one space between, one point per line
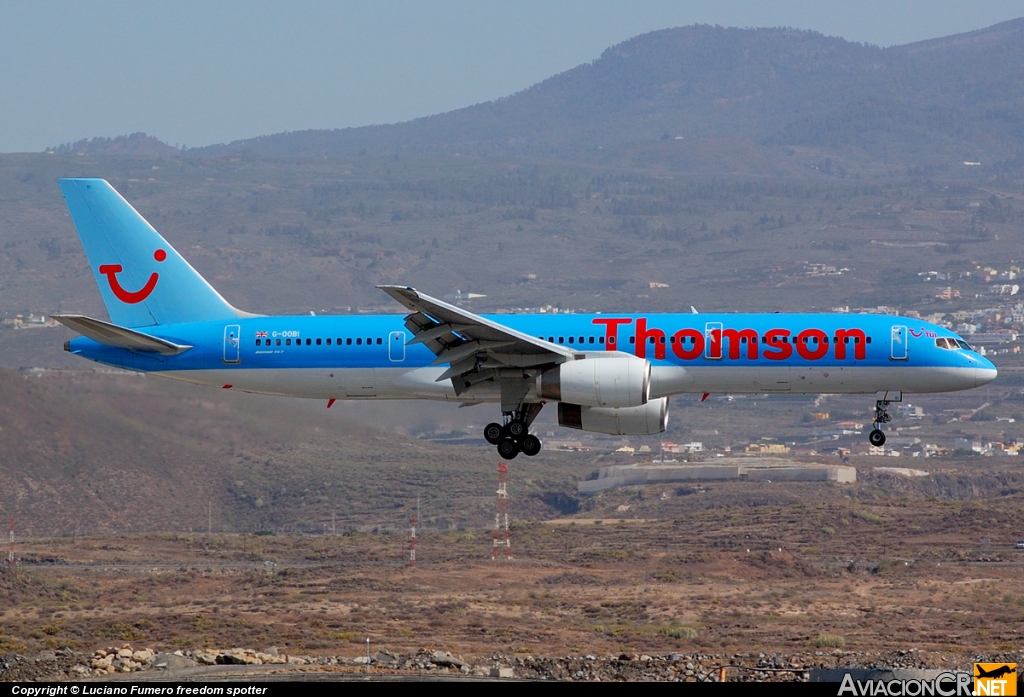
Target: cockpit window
952 344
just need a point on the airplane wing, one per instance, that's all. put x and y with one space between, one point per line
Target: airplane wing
475 348
121 337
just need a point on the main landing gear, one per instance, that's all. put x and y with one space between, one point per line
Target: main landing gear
877 437
514 436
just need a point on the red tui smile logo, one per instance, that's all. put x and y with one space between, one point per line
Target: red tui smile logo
128 296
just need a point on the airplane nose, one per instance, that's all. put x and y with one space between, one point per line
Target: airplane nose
984 373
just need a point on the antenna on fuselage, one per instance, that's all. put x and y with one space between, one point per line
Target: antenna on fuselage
694 310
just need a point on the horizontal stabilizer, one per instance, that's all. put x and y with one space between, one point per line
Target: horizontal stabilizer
120 337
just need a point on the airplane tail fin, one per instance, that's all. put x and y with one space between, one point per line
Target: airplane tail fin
142 279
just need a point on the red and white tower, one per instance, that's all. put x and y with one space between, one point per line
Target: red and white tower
10 549
501 533
412 539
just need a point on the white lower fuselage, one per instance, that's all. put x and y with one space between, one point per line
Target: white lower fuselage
421 383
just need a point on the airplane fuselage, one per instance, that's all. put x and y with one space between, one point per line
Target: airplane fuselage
369 356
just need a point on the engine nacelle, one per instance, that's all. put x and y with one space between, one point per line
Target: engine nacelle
620 381
644 420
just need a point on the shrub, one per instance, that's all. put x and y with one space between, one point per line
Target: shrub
830 641
680 632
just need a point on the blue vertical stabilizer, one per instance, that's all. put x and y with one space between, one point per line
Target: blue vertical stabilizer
142 279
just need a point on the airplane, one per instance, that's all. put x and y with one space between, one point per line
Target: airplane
999 672
607 373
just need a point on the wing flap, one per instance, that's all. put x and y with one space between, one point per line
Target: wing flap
119 337
475 347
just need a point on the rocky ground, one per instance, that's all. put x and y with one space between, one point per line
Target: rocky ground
771 592
127 662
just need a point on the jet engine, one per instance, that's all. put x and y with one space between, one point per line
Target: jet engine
644 420
620 381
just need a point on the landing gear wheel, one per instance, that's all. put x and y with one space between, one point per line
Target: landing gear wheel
508 449
531 445
877 438
516 429
493 433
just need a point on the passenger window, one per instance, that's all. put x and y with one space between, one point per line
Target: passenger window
348 342
328 341
551 339
309 342
856 340
379 341
561 339
318 342
570 339
581 339
278 342
632 339
359 342
369 340
600 339
591 340
287 342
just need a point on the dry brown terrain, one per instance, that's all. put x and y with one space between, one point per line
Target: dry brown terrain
884 575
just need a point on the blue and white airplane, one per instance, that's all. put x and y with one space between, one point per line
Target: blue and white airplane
608 373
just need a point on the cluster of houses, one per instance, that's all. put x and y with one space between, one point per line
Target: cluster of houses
30 321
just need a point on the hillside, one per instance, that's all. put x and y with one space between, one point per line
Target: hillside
927 102
94 453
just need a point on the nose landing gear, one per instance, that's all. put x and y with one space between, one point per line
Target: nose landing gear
882 416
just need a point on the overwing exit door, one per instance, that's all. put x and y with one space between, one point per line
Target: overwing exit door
396 346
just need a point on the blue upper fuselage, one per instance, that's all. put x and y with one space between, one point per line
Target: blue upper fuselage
380 341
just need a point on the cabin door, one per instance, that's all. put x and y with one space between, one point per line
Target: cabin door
898 345
232 344
713 340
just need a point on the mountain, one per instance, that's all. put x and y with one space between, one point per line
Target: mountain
955 97
134 145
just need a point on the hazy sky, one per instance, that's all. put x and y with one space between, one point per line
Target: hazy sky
197 73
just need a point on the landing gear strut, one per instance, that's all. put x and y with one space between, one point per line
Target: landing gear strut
877 437
514 436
